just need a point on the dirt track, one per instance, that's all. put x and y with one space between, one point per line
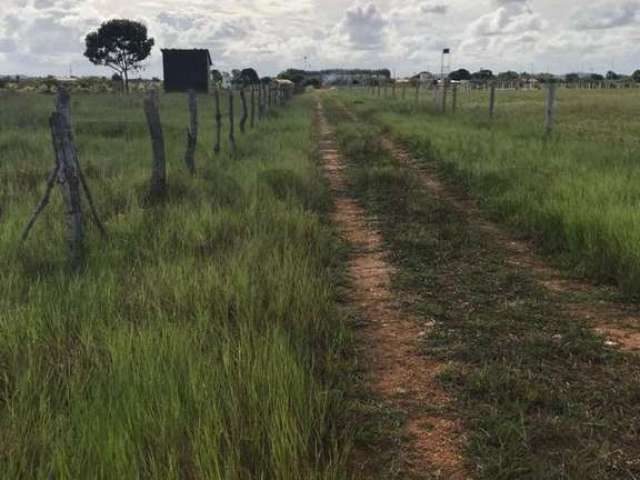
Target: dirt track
388 343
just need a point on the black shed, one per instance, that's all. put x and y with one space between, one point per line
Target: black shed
186 70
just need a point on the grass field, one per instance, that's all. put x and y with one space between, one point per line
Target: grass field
540 394
577 193
202 339
210 335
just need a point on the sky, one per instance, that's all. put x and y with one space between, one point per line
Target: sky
41 37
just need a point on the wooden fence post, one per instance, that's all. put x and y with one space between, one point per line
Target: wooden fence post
158 170
70 184
245 113
492 100
63 106
192 133
68 174
216 99
260 101
232 136
445 85
550 109
252 122
454 99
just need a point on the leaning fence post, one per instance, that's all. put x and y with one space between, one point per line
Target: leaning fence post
252 122
63 106
245 113
158 169
550 109
192 133
492 100
232 137
216 99
70 183
260 101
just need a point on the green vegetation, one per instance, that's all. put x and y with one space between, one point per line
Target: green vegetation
540 394
577 193
202 339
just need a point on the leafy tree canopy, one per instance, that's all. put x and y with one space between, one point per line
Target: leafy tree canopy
482 75
572 78
216 77
509 75
249 76
119 44
459 75
636 76
611 75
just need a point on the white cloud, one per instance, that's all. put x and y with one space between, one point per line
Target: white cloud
610 15
364 26
46 36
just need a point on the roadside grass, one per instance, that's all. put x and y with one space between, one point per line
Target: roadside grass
202 340
576 193
541 396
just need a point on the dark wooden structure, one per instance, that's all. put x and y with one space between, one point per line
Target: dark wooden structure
186 70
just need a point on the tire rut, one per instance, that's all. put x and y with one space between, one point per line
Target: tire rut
618 323
389 346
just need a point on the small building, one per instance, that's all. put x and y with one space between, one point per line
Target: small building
186 70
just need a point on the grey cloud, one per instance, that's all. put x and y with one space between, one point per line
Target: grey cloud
42 4
435 8
179 22
7 45
364 26
608 16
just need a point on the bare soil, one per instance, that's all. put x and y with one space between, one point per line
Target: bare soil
389 348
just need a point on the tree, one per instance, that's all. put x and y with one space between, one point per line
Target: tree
459 75
249 76
572 78
636 76
596 77
509 76
482 75
119 44
216 78
611 75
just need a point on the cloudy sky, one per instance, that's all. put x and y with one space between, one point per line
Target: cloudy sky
47 36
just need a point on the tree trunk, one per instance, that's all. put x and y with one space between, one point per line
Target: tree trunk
192 133
159 169
125 75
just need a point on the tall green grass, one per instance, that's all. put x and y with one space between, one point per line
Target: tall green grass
201 341
577 193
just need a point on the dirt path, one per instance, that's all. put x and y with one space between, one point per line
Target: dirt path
618 323
388 343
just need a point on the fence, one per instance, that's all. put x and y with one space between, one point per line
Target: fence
446 97
244 106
